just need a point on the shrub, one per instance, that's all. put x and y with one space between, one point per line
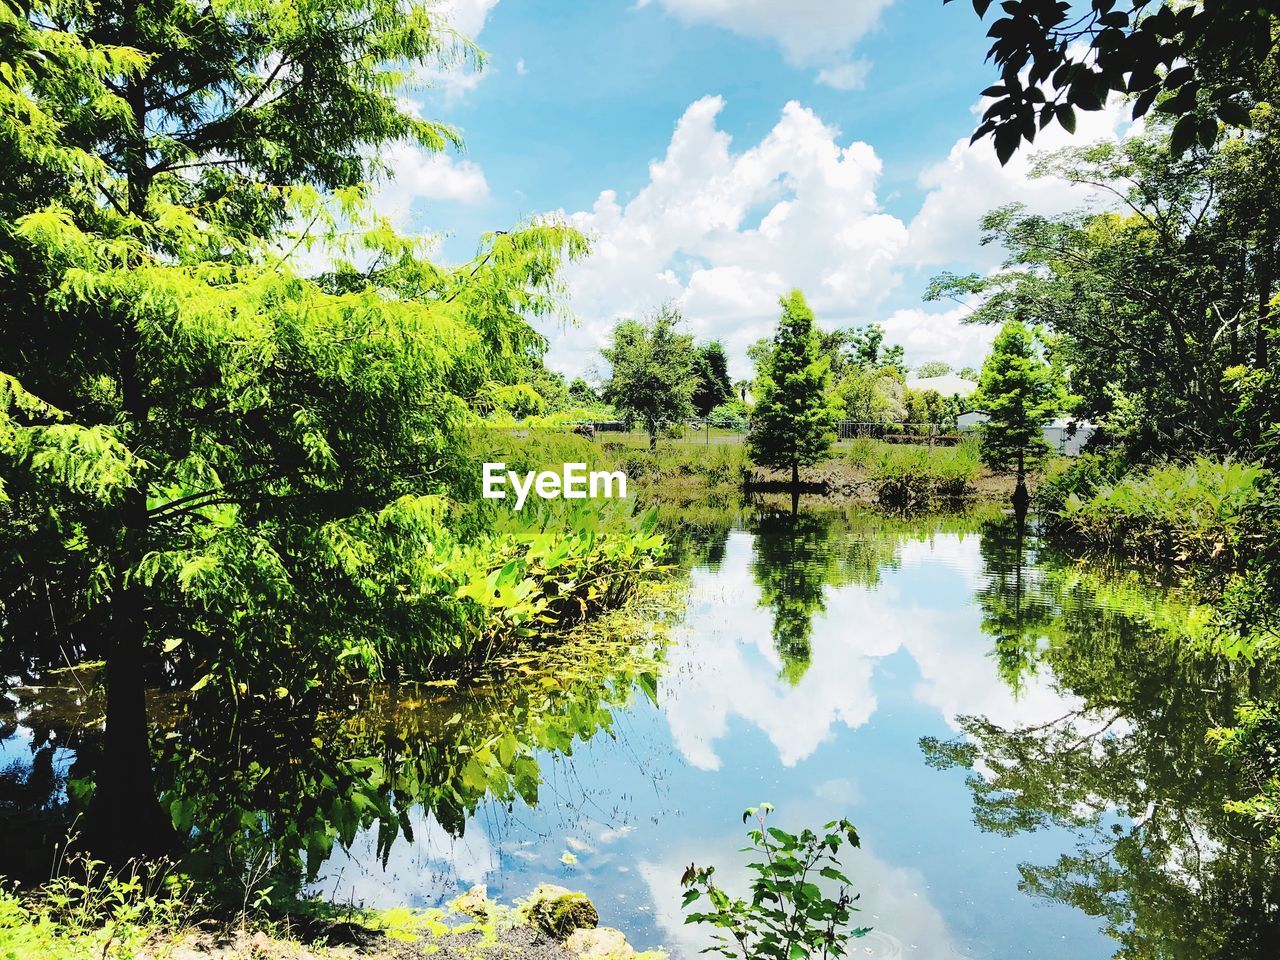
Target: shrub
729 416
1169 512
789 915
906 476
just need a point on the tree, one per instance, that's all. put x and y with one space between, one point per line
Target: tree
1146 302
1199 62
875 395
1020 393
711 364
792 425
653 380
217 470
933 368
581 394
968 373
868 349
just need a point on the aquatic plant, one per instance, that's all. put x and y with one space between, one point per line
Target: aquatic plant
789 916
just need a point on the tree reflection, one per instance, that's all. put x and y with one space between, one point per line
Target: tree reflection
272 788
1130 771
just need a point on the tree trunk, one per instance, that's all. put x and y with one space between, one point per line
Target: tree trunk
1260 351
126 819
795 476
1020 496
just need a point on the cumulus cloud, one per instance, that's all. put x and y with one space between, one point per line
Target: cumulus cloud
970 181
807 31
722 232
725 233
418 175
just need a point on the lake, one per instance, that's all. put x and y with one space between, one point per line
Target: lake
1019 737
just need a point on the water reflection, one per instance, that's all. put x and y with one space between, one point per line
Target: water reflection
1128 769
814 652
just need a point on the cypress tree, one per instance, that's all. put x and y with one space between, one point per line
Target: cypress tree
793 423
1020 393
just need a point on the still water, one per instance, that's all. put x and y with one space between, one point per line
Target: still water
841 664
1019 738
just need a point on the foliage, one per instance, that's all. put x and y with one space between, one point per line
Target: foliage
789 916
793 419
1253 744
933 368
652 382
915 475
218 472
1197 62
1152 301
1180 512
711 366
730 415
89 912
872 394
1020 393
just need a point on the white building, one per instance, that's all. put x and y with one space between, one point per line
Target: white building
1065 435
949 385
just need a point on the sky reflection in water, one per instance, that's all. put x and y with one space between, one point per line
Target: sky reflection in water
888 663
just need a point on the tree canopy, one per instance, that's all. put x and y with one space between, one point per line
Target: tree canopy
653 378
793 420
1199 62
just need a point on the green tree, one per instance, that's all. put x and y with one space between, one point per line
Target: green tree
653 380
1147 303
711 364
792 425
1020 392
1199 62
933 368
581 394
215 469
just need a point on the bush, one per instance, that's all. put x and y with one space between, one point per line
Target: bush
89 912
729 416
789 915
1177 512
906 476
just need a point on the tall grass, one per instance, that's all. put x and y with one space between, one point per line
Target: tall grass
1179 512
911 475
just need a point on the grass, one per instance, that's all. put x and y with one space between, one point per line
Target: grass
1194 511
913 474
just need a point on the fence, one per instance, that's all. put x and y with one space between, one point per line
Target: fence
706 432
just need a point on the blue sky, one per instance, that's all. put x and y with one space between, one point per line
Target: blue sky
799 143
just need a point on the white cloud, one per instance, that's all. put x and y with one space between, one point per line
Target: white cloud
970 182
846 76
419 175
807 31
455 80
725 233
941 335
521 69
466 16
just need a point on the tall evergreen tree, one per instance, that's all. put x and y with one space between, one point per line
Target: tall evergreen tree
792 425
1020 393
213 469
